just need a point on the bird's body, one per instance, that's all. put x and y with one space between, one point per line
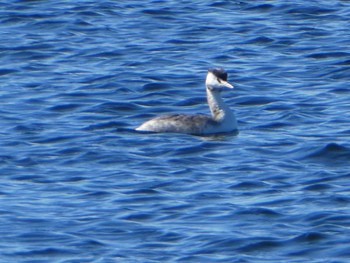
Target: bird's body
222 119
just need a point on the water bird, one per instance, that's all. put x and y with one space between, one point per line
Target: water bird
222 119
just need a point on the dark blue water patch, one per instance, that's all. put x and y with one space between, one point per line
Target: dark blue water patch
27 177
152 87
332 153
248 185
345 62
7 71
45 252
65 107
213 244
318 187
326 177
140 217
340 220
75 94
200 148
6 159
317 218
55 139
260 40
106 125
35 55
258 212
338 73
254 100
274 125
97 79
106 54
311 10
310 237
30 128
261 8
184 42
114 108
164 13
326 55
264 245
279 106
342 252
285 201
142 191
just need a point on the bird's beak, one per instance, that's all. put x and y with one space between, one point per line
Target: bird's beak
226 84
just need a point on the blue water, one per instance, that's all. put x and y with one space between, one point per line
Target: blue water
78 184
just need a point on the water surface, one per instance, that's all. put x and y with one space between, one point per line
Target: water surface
78 184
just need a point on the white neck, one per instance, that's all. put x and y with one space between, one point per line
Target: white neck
218 108
220 112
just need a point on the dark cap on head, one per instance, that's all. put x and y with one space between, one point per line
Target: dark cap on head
219 73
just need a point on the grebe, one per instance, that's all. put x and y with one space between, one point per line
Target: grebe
222 119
